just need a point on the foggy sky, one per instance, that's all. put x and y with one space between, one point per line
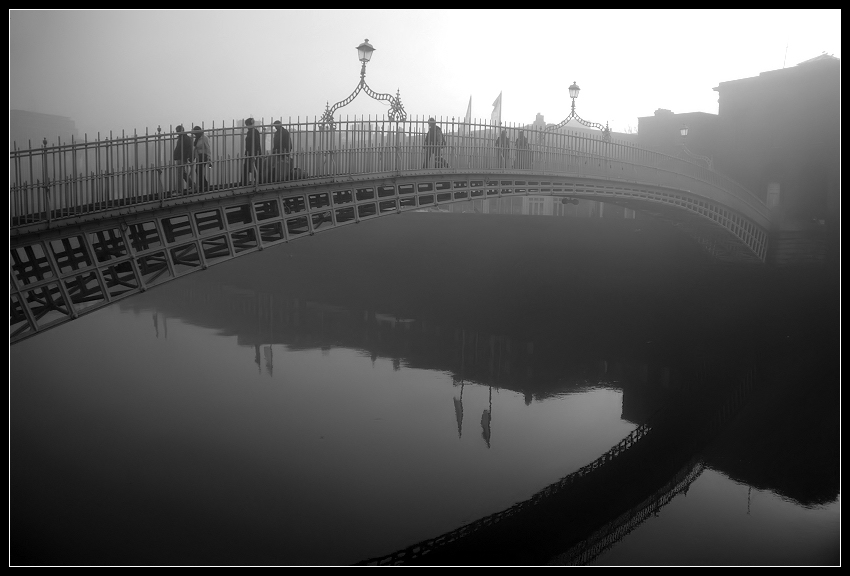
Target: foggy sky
114 70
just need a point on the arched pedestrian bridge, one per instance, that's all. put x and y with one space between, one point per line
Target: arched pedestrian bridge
92 222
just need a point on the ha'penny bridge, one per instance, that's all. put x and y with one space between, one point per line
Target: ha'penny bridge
95 221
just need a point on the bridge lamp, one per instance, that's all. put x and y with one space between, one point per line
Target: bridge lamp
574 90
364 51
683 131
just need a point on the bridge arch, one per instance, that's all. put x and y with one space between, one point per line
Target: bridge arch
71 254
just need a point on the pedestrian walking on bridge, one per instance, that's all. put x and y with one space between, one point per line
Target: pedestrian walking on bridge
503 149
281 147
253 151
434 143
184 153
523 154
203 157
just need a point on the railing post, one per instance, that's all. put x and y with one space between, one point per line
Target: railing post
45 185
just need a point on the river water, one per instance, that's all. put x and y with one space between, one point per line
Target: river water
335 399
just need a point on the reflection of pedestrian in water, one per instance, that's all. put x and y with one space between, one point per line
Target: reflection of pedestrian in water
485 421
459 411
485 427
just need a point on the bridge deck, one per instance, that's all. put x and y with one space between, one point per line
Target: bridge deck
81 240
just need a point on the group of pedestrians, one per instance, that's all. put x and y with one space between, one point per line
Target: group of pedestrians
187 153
198 153
435 142
503 148
257 167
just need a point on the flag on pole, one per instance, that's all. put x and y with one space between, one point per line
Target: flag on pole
464 129
496 116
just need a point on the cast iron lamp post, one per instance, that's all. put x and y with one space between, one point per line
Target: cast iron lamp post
684 132
396 113
574 90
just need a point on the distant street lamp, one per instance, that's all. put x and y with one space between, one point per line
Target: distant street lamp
684 132
396 113
574 90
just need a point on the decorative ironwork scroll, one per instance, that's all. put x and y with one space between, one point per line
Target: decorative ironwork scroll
396 113
606 132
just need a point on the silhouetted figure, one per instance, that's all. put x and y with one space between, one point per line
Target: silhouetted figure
184 152
203 156
458 402
523 154
486 416
281 147
503 148
434 143
253 149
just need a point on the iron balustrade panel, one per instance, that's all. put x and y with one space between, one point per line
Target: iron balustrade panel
60 180
54 280
294 205
342 197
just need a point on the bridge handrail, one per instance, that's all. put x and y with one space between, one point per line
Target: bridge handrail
82 176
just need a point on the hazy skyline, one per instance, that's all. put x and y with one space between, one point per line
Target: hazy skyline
114 70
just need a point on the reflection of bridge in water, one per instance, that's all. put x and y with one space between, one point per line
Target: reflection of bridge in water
94 222
587 511
262 320
591 509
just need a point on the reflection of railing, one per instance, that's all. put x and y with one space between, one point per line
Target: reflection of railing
420 549
617 529
614 531
732 401
71 179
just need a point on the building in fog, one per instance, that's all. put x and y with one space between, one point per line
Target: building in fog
777 133
780 136
31 128
662 131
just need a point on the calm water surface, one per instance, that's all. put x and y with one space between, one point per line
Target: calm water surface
343 397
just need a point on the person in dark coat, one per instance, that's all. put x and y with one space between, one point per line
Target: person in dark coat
523 154
253 149
184 152
503 148
434 143
203 156
281 147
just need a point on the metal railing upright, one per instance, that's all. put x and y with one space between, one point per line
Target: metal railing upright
79 177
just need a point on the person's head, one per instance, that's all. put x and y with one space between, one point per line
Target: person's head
432 122
179 129
197 131
249 122
277 125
